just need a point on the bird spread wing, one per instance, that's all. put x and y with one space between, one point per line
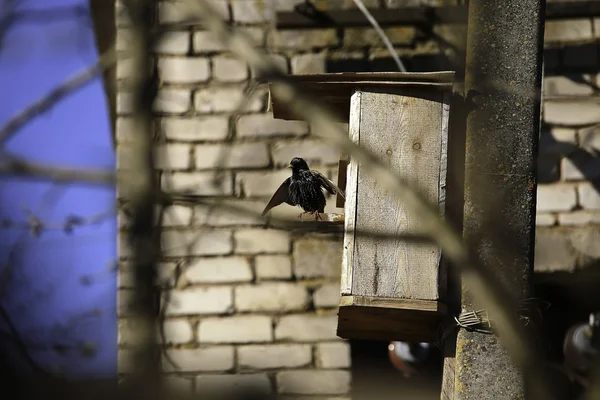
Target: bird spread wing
280 196
328 184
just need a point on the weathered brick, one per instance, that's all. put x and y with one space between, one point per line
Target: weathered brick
121 14
261 125
171 42
310 63
570 30
207 42
237 329
124 103
557 140
327 295
313 151
172 156
177 11
125 301
228 69
199 300
557 197
219 358
241 155
553 251
123 39
194 243
223 99
578 218
568 85
219 270
302 39
125 361
273 267
200 183
589 198
178 383
279 59
580 166
242 212
206 128
184 69
317 257
178 331
261 241
545 219
164 270
333 355
177 215
125 129
172 101
589 139
125 68
229 384
362 37
274 356
271 297
251 11
260 183
306 328
571 113
313 382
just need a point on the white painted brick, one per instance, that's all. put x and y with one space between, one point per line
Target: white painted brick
172 156
306 328
199 300
279 60
260 183
219 270
241 155
178 331
557 141
556 197
172 42
252 11
570 30
123 39
262 125
206 128
125 301
589 139
317 258
578 218
200 183
124 103
571 112
570 85
589 198
553 251
313 151
313 382
122 15
233 384
273 267
237 329
164 270
233 212
271 297
223 99
125 363
184 69
177 215
207 42
327 295
580 166
178 383
219 358
311 63
172 101
125 129
124 68
178 11
545 219
274 356
333 355
228 69
261 241
196 243
300 39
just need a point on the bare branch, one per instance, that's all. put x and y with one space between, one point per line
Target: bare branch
50 99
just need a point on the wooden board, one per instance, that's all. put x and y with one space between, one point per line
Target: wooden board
378 318
406 130
335 89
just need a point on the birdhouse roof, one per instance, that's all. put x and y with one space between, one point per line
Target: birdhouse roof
335 89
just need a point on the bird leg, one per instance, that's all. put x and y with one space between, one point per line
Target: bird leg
317 216
301 214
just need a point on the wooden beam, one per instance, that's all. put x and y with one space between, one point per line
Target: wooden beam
418 15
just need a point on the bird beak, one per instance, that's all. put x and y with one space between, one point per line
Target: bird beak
289 166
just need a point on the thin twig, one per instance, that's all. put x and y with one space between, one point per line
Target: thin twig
51 98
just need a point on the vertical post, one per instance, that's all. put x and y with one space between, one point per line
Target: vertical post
503 75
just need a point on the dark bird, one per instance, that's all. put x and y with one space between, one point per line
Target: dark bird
303 189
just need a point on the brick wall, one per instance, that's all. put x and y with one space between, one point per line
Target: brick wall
258 305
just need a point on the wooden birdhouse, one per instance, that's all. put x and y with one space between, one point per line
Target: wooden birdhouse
391 289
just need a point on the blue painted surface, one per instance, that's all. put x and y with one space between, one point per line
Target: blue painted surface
59 289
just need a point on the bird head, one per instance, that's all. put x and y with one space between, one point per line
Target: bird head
297 164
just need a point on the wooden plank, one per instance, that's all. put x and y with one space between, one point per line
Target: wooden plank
389 319
350 206
404 130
